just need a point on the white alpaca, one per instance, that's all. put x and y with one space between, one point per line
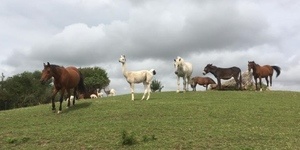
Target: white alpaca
99 93
111 92
184 70
133 77
93 96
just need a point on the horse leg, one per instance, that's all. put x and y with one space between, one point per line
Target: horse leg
260 84
62 92
178 84
69 97
74 94
184 84
188 81
52 98
270 80
219 83
132 91
255 79
267 82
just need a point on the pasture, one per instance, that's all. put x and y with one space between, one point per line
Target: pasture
168 120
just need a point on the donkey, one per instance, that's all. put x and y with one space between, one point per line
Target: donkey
224 73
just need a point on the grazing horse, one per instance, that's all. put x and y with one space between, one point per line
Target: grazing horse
225 73
262 72
133 77
204 81
183 69
65 79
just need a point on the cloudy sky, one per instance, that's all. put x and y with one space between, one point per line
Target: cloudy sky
87 33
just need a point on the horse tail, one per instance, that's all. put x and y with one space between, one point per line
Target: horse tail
277 69
81 87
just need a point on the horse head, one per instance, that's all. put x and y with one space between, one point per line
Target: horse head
46 73
208 68
251 65
178 63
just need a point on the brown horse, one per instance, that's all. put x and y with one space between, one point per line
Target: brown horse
204 81
262 72
225 73
65 79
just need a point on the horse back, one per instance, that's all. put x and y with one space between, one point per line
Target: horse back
73 76
227 73
186 70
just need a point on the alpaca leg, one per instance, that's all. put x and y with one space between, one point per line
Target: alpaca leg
178 84
145 90
132 91
148 90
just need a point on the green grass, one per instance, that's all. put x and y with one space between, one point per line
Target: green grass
193 120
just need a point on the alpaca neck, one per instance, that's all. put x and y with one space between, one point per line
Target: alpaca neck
124 69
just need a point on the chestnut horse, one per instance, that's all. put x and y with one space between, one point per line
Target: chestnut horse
262 72
65 79
204 81
225 73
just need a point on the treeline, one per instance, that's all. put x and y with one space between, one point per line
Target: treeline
25 89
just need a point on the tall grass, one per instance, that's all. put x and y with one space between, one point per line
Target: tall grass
169 120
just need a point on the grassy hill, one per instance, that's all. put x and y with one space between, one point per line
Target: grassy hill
169 120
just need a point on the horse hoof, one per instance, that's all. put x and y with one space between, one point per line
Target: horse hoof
177 91
58 112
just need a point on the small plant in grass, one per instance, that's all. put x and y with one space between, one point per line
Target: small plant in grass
128 139
147 139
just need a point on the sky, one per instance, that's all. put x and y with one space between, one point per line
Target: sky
151 34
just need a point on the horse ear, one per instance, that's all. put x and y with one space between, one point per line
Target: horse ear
174 59
179 59
48 63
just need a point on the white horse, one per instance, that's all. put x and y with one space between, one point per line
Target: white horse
183 69
134 77
111 92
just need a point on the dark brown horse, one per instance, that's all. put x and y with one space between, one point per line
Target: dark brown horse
65 79
262 72
225 73
204 81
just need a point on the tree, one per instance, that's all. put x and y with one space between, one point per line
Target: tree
23 90
94 78
156 85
